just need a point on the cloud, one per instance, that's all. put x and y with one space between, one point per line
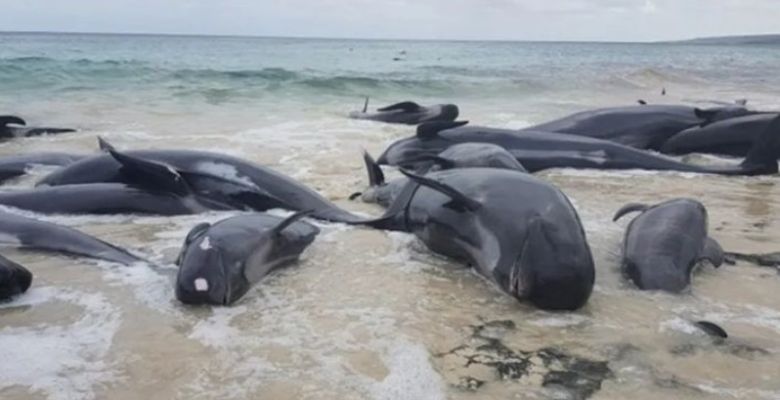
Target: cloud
618 20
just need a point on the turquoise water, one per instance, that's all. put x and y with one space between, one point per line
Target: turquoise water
233 70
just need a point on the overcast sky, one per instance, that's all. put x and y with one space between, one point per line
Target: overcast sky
613 20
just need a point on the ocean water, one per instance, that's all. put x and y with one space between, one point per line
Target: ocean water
365 314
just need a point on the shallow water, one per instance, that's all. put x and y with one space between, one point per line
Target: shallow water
366 314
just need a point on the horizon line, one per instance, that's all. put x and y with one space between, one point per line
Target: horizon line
247 36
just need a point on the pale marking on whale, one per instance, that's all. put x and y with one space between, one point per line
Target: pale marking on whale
201 285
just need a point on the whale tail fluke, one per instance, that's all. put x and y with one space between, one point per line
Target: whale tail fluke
762 157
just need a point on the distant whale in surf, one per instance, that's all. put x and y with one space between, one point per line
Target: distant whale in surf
14 279
664 244
731 137
409 113
214 177
538 151
18 128
642 126
516 230
15 166
219 263
464 155
28 233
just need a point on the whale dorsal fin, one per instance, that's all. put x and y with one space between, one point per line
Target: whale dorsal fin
706 115
429 130
290 220
629 208
458 199
11 119
105 145
145 172
406 106
712 252
375 175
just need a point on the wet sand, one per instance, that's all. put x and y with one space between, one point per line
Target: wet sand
374 315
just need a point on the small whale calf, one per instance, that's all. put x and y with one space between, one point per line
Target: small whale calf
14 279
219 263
664 244
409 113
13 127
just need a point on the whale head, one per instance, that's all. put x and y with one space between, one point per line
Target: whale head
555 270
14 278
210 270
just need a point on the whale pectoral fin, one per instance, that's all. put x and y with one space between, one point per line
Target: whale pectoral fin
429 130
104 145
458 199
153 174
741 102
365 106
290 220
713 252
629 208
11 119
641 102
406 106
375 175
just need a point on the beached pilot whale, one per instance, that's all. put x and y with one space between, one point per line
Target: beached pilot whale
14 279
107 198
516 230
409 113
640 126
18 165
538 151
214 177
664 244
464 155
219 263
28 233
18 128
731 137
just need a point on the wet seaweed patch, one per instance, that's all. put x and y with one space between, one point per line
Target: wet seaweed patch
484 358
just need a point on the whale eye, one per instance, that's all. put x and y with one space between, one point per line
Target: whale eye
201 285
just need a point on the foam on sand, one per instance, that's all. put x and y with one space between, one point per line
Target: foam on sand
65 362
